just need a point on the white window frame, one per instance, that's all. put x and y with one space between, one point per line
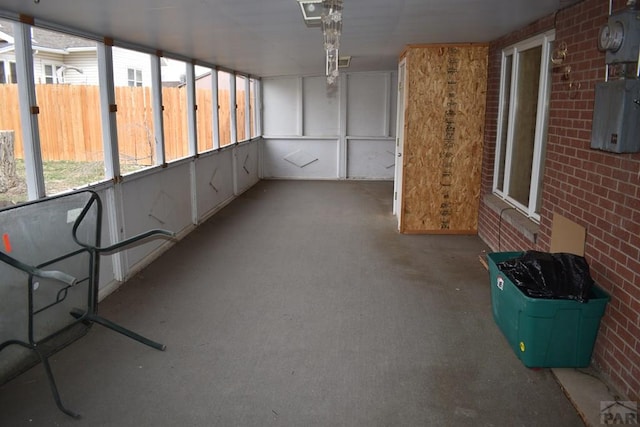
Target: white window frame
253 90
9 68
135 81
55 66
546 41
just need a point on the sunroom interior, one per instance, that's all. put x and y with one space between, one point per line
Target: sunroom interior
317 276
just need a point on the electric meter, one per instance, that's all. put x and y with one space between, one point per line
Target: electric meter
611 36
620 37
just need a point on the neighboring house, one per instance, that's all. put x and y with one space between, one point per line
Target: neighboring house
60 58
203 80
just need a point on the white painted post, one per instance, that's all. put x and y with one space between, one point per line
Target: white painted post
158 120
216 109
28 111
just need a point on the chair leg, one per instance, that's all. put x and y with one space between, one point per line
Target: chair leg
117 328
54 388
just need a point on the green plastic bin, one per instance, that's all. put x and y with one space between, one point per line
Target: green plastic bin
544 333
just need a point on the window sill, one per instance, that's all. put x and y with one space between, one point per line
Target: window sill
527 227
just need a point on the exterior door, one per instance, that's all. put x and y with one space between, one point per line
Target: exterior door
397 191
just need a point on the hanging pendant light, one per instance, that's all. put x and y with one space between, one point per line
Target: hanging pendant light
332 30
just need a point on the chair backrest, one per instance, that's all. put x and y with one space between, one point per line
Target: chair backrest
33 309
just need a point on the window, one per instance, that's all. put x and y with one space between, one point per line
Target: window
205 103
522 123
174 101
72 154
13 75
134 77
241 108
13 189
53 73
252 107
224 107
136 132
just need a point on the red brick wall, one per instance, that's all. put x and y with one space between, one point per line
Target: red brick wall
598 190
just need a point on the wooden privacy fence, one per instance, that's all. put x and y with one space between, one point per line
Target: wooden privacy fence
70 126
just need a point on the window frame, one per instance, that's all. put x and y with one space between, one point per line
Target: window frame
505 142
55 66
135 82
253 128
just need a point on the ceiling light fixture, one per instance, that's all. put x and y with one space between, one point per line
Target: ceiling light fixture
328 15
332 30
311 12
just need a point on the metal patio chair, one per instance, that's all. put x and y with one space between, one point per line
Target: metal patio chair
49 274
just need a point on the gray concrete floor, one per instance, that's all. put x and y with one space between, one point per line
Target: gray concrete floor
299 305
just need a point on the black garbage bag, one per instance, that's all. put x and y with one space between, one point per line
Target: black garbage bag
547 275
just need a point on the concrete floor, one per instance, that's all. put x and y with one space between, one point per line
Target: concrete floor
299 305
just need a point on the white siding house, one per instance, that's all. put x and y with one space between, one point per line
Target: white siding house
130 63
61 58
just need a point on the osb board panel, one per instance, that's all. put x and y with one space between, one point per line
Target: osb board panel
444 126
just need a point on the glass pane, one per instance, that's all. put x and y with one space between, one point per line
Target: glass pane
241 108
204 113
528 82
14 74
13 186
69 119
136 137
508 62
3 77
224 111
48 74
174 100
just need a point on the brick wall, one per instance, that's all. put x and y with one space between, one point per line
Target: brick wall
598 190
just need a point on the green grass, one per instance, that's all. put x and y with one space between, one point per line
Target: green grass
59 176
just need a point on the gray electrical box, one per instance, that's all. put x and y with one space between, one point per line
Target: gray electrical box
628 23
616 116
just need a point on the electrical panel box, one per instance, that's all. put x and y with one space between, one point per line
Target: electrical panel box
623 29
616 116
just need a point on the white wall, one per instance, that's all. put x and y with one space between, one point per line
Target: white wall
39 61
315 132
87 62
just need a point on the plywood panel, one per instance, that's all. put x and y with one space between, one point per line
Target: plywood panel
444 124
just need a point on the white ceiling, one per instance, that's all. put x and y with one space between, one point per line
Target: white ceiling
269 37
